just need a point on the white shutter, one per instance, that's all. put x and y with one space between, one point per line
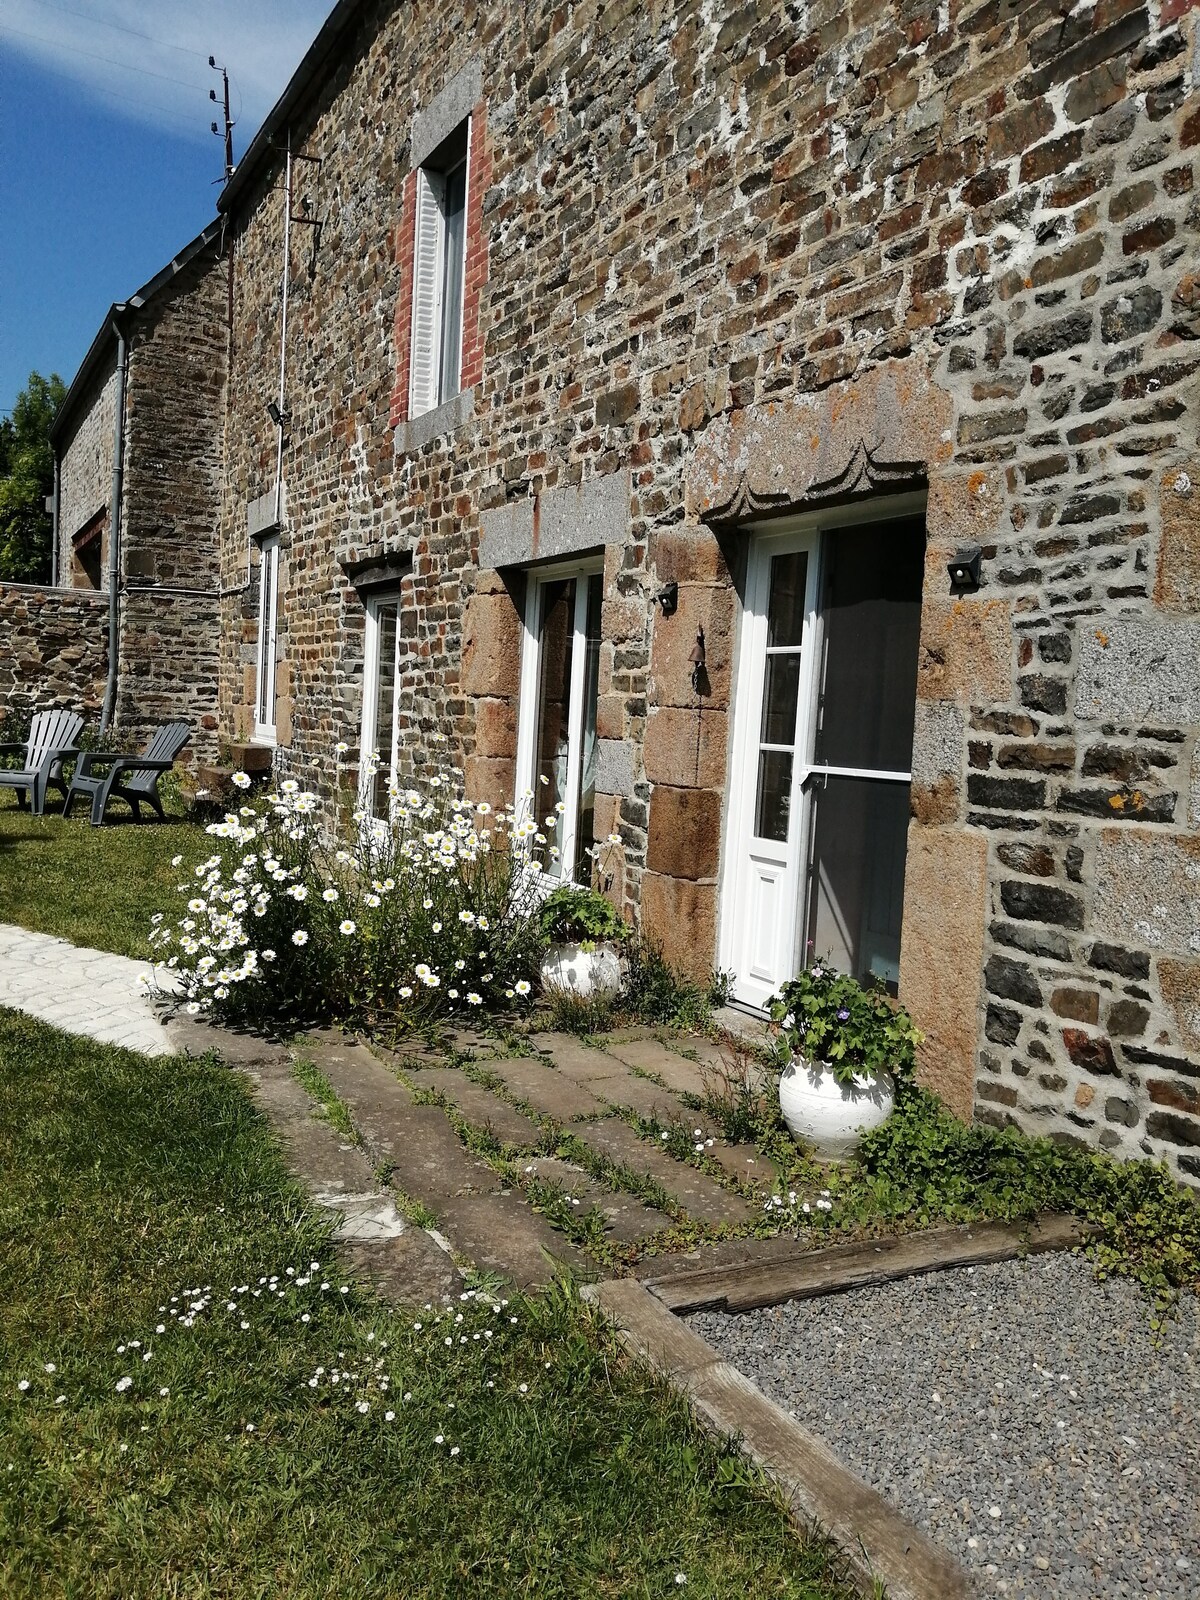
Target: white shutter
427 294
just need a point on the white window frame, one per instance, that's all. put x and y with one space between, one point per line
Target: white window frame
427 326
528 704
809 532
369 742
266 655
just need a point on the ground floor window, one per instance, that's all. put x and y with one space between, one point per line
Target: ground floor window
268 622
557 750
823 729
381 698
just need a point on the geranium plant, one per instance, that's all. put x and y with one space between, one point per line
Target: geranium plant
572 915
827 1016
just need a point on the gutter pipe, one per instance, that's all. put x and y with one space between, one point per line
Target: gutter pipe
114 527
55 519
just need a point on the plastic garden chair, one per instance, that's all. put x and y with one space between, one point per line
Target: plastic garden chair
52 736
133 777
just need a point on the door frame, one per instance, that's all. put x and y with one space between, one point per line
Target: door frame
581 569
369 732
764 540
266 656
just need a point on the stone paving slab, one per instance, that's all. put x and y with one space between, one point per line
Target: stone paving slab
627 1219
82 991
648 1055
477 1215
610 1080
480 1106
696 1192
745 1162
529 1079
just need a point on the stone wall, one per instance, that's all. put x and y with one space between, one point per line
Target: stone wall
85 473
55 653
746 262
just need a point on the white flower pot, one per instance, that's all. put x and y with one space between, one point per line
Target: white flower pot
570 969
830 1115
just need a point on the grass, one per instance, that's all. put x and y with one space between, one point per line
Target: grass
139 1193
91 886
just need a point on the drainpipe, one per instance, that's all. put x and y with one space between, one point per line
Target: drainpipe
283 328
114 528
54 512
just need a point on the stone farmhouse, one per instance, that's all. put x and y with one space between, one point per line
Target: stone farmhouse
767 433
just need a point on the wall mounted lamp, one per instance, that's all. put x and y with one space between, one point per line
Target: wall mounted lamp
965 569
668 598
278 415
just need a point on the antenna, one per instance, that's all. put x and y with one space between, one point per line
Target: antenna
212 95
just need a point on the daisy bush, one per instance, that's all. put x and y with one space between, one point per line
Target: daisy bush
430 913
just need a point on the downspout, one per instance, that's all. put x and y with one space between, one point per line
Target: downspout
54 518
114 529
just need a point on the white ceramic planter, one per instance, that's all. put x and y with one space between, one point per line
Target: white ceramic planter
830 1115
570 969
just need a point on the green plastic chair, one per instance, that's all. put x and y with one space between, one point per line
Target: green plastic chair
52 736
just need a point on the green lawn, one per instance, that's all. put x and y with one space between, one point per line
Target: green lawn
93 886
143 1213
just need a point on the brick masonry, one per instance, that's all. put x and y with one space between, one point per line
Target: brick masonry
761 261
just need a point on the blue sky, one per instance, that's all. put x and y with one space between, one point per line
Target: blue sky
109 164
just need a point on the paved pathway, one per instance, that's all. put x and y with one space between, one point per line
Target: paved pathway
80 990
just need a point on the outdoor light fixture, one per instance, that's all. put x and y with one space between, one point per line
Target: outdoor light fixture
277 414
965 569
668 598
699 675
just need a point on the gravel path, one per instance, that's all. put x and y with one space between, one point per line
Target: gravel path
1019 1413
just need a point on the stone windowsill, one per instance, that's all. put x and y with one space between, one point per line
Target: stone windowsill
430 425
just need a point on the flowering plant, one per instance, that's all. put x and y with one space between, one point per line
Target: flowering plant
570 915
825 1015
430 912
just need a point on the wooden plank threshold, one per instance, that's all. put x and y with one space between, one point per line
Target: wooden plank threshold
750 1284
879 1543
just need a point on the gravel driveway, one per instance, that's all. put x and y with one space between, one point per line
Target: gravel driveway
1019 1413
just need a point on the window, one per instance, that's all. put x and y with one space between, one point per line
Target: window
381 695
268 614
557 750
439 258
823 741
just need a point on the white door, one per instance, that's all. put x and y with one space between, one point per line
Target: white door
380 747
823 726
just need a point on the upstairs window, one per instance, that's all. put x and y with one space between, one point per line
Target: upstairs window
438 275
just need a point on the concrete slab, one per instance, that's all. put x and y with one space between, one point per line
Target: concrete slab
627 1220
700 1197
530 1080
648 1055
480 1106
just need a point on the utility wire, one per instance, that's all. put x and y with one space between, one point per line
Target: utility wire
110 61
103 22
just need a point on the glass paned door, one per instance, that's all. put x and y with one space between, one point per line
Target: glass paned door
379 753
268 625
557 753
823 742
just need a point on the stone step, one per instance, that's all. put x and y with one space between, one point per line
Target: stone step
396 1257
648 1055
479 1217
701 1197
627 1220
745 1162
603 1075
550 1093
480 1107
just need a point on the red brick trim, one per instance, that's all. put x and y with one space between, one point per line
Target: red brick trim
479 174
406 243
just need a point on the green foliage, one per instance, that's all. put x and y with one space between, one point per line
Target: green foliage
570 915
825 1015
927 1166
26 480
125 1181
655 992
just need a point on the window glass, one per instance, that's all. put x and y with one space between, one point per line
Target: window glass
585 831
556 637
872 624
454 227
386 684
856 885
